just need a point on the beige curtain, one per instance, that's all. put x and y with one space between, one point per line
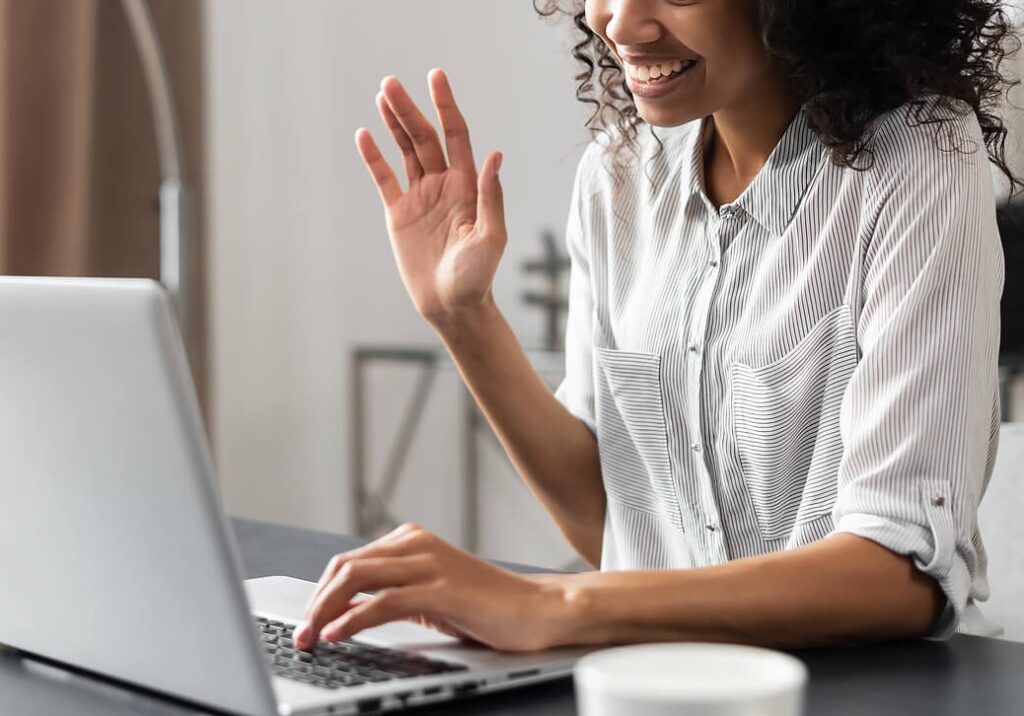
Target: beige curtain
78 162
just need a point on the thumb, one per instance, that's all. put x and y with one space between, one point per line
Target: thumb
490 201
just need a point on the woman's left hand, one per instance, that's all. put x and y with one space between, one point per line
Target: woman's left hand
424 579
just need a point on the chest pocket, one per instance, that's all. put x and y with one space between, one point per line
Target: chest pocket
631 433
786 422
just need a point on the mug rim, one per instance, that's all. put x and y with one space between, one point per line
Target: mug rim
596 672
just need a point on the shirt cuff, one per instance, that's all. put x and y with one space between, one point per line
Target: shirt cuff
933 548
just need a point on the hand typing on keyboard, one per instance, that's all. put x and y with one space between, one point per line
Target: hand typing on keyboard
421 577
346 663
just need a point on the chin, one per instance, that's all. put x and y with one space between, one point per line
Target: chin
666 116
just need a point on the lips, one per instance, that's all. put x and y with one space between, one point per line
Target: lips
651 59
654 84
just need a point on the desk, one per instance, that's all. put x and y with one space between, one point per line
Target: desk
968 676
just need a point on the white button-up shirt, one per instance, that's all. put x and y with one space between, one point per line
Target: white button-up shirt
817 356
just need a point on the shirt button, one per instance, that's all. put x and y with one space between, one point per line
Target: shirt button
695 447
692 347
713 263
711 526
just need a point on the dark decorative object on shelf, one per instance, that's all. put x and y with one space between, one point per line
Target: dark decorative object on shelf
1011 229
1011 346
551 298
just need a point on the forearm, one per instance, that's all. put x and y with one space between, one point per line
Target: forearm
842 589
554 452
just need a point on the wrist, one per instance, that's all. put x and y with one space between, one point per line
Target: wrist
567 606
466 323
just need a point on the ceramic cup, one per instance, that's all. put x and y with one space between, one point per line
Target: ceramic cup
690 679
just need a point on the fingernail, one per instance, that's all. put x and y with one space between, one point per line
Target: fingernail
300 634
497 163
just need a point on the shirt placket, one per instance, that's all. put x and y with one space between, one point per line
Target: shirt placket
723 226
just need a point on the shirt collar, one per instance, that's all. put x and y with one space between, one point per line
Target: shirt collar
774 195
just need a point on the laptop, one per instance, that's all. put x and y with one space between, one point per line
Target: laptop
116 557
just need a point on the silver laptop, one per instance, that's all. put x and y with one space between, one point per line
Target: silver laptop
115 555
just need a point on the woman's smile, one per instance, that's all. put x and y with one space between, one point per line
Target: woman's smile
652 79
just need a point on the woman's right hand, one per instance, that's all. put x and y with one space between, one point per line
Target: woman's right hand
448 227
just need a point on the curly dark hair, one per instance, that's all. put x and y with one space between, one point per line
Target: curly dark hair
850 62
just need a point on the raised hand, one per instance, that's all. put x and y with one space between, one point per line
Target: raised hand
448 227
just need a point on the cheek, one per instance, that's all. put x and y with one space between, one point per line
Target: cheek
733 52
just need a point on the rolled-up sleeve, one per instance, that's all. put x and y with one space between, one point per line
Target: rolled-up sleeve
576 391
920 416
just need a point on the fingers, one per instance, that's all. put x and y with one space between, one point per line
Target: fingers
421 132
380 171
413 168
381 547
387 606
490 198
356 576
456 133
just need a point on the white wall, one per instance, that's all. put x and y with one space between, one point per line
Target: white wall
300 266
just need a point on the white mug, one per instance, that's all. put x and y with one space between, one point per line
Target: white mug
690 679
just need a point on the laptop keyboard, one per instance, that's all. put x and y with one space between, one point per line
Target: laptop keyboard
344 663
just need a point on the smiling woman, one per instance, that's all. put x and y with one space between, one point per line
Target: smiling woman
781 407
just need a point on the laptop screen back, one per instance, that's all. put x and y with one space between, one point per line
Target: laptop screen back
114 555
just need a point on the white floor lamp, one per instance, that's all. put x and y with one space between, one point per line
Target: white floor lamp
177 252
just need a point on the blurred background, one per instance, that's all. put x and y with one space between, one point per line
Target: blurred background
327 402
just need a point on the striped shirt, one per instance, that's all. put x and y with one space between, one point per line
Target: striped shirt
817 356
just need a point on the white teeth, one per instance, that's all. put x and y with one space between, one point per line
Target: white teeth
643 73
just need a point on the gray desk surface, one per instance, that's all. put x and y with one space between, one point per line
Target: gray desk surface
966 675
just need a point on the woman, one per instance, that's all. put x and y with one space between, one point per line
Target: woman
780 408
